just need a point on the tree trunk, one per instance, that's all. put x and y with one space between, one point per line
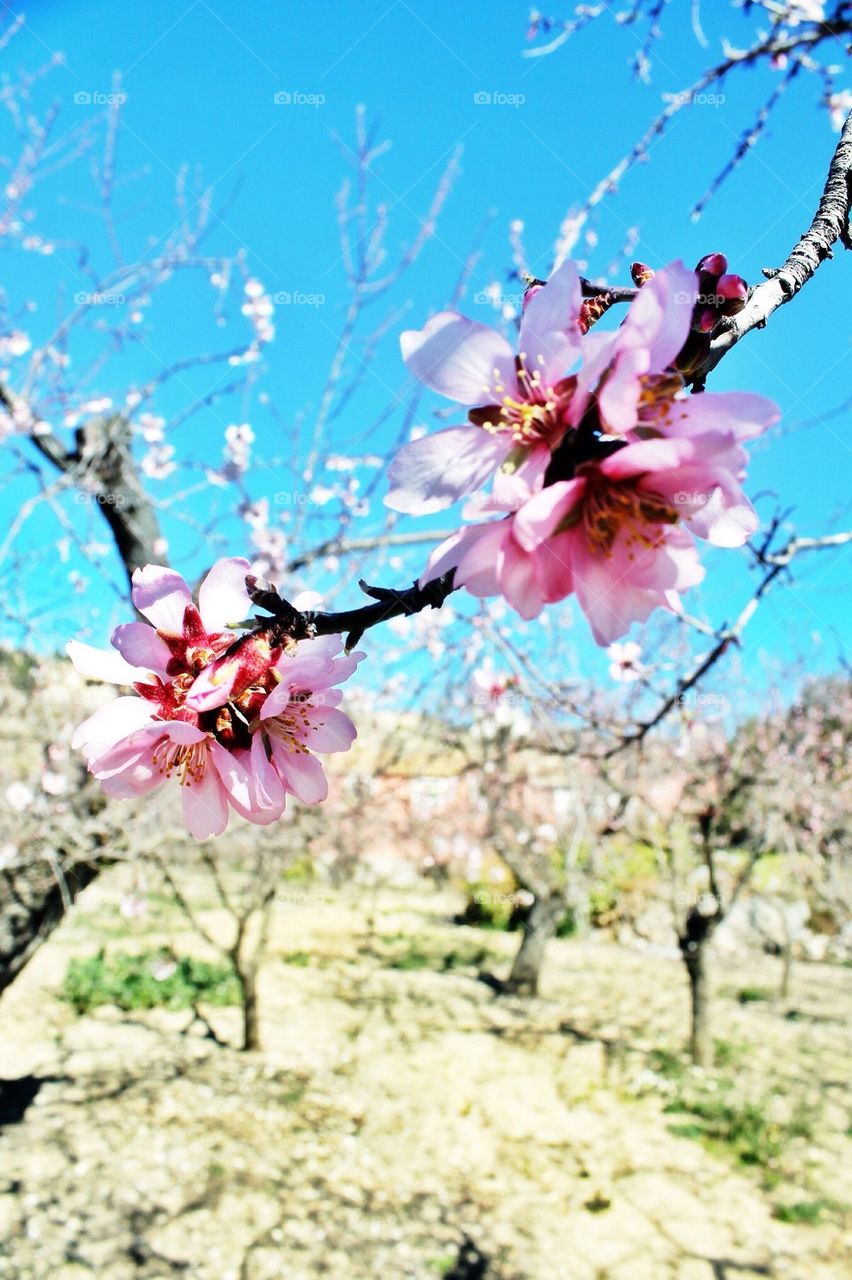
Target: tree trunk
32 903
786 970
539 927
247 978
700 1039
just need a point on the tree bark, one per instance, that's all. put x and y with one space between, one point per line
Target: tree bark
700 1039
33 900
694 945
247 979
539 927
35 897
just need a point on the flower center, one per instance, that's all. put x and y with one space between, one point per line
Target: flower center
608 508
657 397
293 725
187 760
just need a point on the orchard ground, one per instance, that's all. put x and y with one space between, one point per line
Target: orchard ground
398 1108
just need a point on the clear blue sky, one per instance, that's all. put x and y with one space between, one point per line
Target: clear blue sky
201 79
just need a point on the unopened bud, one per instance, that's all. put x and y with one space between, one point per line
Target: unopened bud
592 309
735 290
705 319
640 274
713 264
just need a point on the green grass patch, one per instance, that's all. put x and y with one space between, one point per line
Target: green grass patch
400 952
809 1213
746 1128
149 980
754 995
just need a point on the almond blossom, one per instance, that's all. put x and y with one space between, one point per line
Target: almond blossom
609 507
618 533
516 404
200 712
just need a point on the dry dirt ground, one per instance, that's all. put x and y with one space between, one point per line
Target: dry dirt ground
395 1111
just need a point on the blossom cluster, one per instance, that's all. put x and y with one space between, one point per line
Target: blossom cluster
237 719
587 468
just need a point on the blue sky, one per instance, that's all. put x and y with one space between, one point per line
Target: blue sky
201 81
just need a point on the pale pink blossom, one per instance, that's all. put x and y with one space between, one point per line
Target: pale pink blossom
234 719
618 534
301 716
624 664
134 743
517 405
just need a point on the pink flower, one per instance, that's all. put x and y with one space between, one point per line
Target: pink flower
517 405
618 533
625 368
301 716
201 711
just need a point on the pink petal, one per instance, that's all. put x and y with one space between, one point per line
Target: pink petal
513 486
270 793
267 795
550 338
554 567
478 567
519 580
739 413
446 555
222 597
432 473
301 773
537 519
659 455
161 595
103 664
140 645
328 729
660 316
182 732
135 779
276 702
461 359
727 518
599 349
109 724
619 395
205 805
234 776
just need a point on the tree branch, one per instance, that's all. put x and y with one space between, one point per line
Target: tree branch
830 224
774 563
288 623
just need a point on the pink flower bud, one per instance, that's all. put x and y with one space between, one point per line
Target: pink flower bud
735 290
713 264
640 274
705 319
